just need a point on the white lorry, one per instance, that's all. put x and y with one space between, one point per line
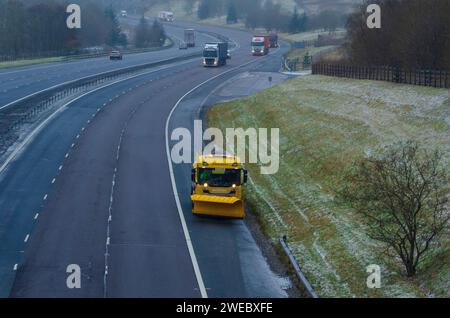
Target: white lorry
165 16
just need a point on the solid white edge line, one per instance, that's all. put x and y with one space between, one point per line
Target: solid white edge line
174 185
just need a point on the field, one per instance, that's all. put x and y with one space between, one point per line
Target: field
325 123
21 63
311 35
315 52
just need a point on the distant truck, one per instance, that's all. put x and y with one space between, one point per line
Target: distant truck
273 37
165 16
215 54
123 13
189 37
260 45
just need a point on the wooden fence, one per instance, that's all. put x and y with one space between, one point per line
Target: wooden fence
434 78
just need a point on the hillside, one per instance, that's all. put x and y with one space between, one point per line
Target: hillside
325 123
186 9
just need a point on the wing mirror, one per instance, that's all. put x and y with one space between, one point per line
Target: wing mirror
193 175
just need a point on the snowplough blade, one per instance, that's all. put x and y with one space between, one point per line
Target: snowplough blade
230 207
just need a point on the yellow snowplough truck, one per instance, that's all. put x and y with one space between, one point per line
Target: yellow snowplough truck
217 184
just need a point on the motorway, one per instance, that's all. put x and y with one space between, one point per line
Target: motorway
19 82
95 188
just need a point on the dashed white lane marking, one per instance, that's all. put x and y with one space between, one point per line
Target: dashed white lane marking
67 155
53 181
108 232
78 136
26 238
45 197
111 200
60 168
72 145
15 267
174 185
36 216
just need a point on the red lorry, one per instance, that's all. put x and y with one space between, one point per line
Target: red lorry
260 44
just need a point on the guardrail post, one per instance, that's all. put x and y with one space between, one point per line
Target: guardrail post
298 271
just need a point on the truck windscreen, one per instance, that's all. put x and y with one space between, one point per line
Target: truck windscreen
210 53
257 43
216 177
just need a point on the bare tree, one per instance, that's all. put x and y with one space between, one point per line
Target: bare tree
403 195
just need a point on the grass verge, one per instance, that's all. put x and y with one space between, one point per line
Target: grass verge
324 124
28 62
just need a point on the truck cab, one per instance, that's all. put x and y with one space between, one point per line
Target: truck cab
217 186
273 37
215 54
260 44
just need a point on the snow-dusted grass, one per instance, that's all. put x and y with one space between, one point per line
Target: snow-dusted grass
325 123
311 35
300 53
311 51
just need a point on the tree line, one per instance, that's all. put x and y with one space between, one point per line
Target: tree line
414 34
37 28
147 35
269 15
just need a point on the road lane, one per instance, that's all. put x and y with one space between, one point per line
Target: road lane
28 179
65 214
231 263
145 227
